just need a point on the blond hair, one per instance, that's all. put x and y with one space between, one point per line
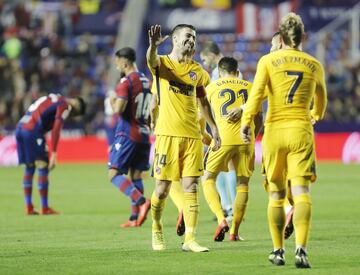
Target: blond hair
292 29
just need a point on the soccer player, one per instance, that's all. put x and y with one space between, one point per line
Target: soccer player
227 96
225 182
178 146
176 192
45 114
131 147
294 78
289 209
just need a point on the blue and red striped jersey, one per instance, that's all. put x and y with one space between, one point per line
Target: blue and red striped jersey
45 114
134 121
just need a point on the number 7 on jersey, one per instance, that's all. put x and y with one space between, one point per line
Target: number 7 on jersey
298 78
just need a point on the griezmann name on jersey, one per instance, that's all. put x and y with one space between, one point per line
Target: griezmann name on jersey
295 76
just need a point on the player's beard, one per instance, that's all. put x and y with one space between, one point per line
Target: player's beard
187 49
122 74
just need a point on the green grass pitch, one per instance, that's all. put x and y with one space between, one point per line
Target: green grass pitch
86 238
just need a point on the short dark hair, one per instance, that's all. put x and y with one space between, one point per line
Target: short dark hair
210 47
127 52
228 64
82 104
181 26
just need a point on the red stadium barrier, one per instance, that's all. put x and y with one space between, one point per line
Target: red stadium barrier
343 147
83 149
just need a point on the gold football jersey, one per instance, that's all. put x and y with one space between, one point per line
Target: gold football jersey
176 85
225 94
294 78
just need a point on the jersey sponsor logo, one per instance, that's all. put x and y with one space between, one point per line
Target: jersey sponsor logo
181 88
192 75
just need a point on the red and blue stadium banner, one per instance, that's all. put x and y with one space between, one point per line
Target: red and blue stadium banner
336 147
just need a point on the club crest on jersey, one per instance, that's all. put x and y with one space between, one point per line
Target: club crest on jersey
117 146
158 170
193 75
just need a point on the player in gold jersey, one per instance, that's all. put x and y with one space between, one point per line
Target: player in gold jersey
227 96
289 209
294 79
176 192
178 147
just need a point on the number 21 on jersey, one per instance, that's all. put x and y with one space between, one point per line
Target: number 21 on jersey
231 99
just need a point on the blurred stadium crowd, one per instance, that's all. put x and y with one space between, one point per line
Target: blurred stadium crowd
51 46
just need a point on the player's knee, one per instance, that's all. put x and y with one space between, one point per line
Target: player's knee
190 184
277 195
300 185
41 164
208 175
112 173
162 189
192 188
300 181
135 174
30 165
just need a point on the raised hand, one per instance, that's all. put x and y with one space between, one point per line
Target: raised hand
155 37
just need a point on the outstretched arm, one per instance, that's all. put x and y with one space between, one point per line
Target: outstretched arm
155 39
